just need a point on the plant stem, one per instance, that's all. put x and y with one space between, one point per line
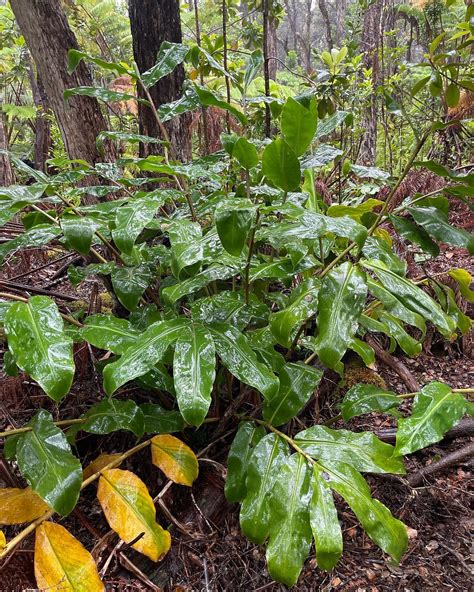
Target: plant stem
249 259
66 317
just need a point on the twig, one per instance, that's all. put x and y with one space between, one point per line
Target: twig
454 458
66 317
395 364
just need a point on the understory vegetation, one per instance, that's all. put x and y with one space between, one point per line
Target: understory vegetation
214 278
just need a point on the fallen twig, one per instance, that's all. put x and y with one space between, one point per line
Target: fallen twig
454 458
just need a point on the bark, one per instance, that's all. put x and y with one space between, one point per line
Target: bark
49 37
6 171
152 22
42 124
370 45
272 50
327 22
341 8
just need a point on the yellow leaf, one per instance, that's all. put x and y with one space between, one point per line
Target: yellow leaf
99 463
62 564
20 505
177 461
3 540
130 511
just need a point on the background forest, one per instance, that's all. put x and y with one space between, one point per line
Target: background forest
236 294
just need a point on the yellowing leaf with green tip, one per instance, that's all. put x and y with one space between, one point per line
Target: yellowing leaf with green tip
3 540
130 511
177 461
20 505
62 564
99 463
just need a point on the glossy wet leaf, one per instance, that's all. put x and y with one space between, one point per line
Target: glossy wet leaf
130 283
20 505
194 371
235 352
62 564
111 415
436 224
186 245
209 99
99 463
376 519
140 357
361 450
436 409
297 383
415 234
323 155
298 124
264 467
281 166
290 536
131 219
161 421
109 333
228 307
245 153
363 349
169 56
177 461
464 280
376 248
37 236
365 398
103 94
341 299
215 272
412 297
45 460
247 437
234 219
324 522
130 511
41 347
78 233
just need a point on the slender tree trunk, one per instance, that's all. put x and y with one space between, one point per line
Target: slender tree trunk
272 48
152 22
327 22
370 46
6 171
341 9
49 37
42 125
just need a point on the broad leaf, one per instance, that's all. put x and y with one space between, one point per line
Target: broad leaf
247 437
365 398
131 219
194 371
102 461
37 236
233 221
186 245
177 461
78 233
297 383
130 283
109 333
111 415
415 234
341 299
324 522
140 357
36 338
361 450
281 166
45 460
62 563
263 470
290 532
238 357
436 409
161 421
323 155
298 124
130 511
169 56
245 152
20 505
436 224
215 272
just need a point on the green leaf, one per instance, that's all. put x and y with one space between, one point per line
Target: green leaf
290 531
328 125
194 371
209 99
247 437
188 101
376 248
436 409
264 467
140 357
125 137
161 421
228 307
409 344
186 245
111 415
361 450
281 166
233 222
37 236
415 234
323 155
169 56
130 283
303 303
42 349
297 383
215 272
386 531
103 94
253 66
363 350
78 233
365 398
464 280
131 219
436 224
452 95
109 333
298 124
157 378
75 57
412 297
341 299
324 522
234 350
245 153
365 172
45 460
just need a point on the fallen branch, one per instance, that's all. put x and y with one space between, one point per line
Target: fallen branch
464 428
395 364
454 458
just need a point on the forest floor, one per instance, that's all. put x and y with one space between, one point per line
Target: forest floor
208 551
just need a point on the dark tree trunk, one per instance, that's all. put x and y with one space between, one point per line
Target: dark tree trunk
152 22
327 22
42 124
6 171
370 45
49 37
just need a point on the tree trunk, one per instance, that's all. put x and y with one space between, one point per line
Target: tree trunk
327 22
272 48
49 37
42 125
6 172
370 45
341 9
152 22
